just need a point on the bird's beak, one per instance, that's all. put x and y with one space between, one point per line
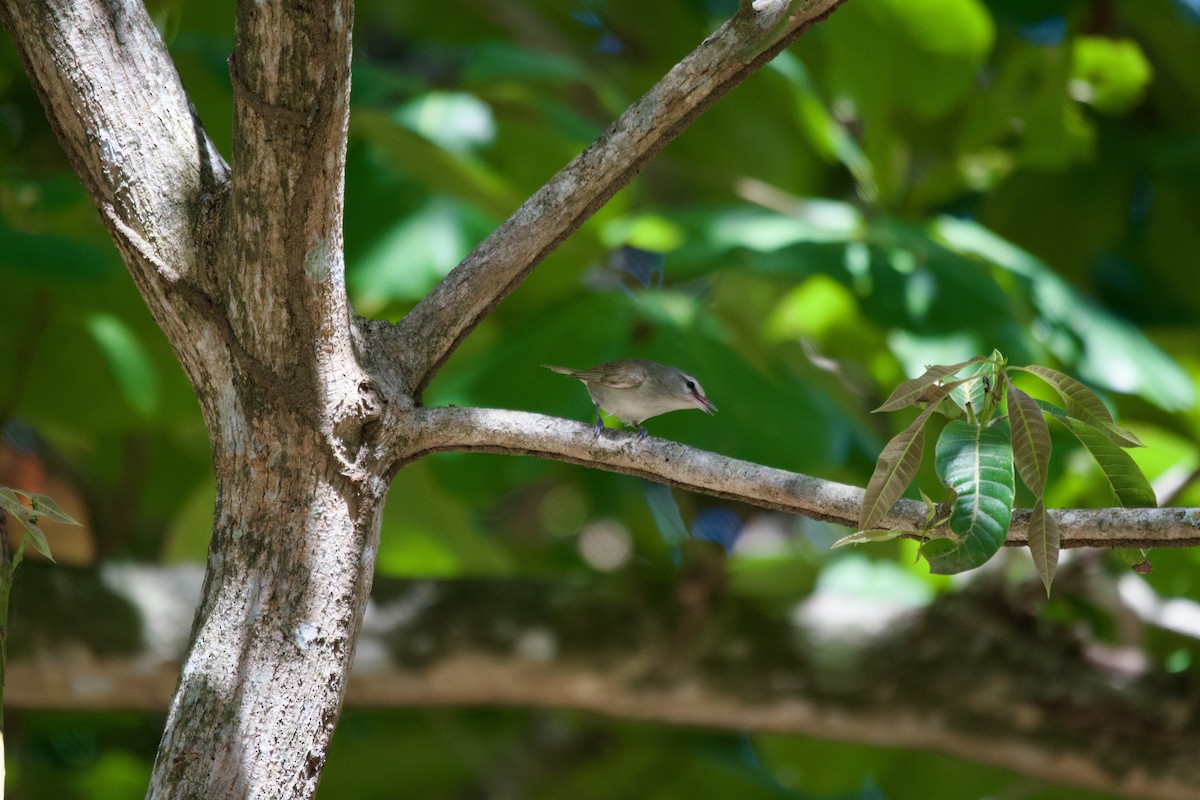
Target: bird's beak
703 404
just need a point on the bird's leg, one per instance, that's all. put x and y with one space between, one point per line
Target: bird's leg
599 426
642 434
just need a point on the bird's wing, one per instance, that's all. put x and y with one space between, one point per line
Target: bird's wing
615 374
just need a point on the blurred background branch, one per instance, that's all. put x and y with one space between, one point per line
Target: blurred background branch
971 674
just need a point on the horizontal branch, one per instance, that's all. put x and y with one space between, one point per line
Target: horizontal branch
967 676
527 434
434 328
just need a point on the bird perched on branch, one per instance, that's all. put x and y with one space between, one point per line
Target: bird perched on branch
635 389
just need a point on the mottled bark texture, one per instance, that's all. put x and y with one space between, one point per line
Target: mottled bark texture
243 270
310 410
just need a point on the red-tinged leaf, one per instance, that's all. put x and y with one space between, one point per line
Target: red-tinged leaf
1030 439
913 391
894 471
1085 405
897 465
1128 483
1044 542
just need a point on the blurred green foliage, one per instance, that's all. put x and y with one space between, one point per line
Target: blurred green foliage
912 183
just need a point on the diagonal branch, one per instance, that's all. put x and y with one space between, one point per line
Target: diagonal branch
118 107
109 87
434 328
522 433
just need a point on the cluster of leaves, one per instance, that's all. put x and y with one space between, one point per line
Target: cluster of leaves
883 229
28 514
994 427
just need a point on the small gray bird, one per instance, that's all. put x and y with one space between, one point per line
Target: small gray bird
635 389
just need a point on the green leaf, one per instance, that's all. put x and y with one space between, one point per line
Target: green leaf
898 464
1111 75
1130 486
52 257
491 61
765 231
40 506
460 175
128 361
828 135
665 511
1044 541
912 391
929 51
1085 405
971 393
37 537
455 121
977 463
1030 439
1106 350
44 506
1136 558
863 537
931 510
10 503
415 253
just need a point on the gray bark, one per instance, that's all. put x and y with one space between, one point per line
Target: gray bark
522 433
243 268
243 271
311 411
502 261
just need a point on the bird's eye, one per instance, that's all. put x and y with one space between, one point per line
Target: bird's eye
691 386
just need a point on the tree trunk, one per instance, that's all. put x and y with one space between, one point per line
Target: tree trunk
243 270
311 411
290 566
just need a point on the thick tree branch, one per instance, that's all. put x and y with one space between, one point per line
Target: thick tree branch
974 675
299 496
284 277
434 328
291 72
119 110
291 76
110 89
526 434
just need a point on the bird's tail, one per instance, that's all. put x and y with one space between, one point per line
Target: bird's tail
560 370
